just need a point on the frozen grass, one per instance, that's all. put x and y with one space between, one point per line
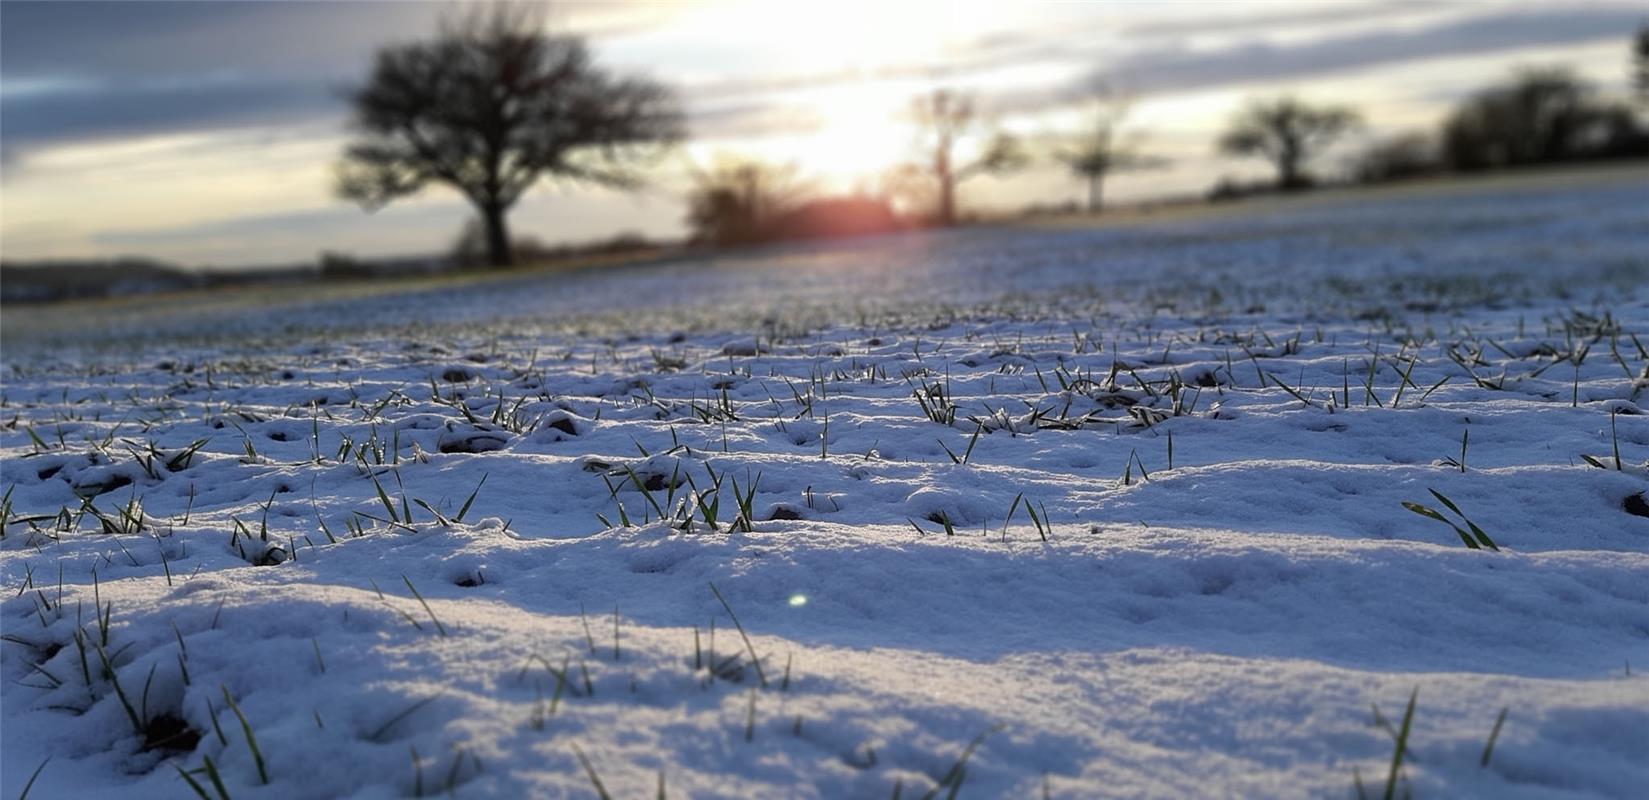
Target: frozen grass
993 513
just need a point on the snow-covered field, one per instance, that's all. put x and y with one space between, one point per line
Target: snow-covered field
1000 513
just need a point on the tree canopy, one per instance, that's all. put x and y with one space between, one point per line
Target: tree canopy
1287 132
1542 115
489 106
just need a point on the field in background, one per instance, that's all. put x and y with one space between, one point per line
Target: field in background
1189 505
551 285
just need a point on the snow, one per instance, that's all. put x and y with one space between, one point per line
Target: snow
1223 625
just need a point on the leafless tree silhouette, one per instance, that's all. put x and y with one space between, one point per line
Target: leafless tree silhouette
943 119
1105 148
1287 132
733 201
490 105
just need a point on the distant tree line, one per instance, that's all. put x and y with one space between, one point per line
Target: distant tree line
492 104
1544 115
1541 116
1538 116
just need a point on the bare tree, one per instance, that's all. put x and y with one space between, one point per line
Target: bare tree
734 201
1287 132
944 118
491 104
1104 148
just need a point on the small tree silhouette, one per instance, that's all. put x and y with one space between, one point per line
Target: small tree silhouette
489 106
1104 148
1287 132
943 119
734 201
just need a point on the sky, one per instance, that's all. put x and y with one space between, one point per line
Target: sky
205 132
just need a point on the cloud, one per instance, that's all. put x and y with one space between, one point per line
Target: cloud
165 40
1157 60
1155 70
75 71
88 70
754 119
1300 15
128 109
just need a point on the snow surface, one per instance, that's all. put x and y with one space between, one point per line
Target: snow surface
1221 626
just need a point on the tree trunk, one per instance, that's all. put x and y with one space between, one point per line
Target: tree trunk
498 236
947 200
1096 189
1289 174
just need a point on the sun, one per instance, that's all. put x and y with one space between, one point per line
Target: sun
855 72
861 134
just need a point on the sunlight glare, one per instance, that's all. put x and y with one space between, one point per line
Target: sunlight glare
860 137
861 75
